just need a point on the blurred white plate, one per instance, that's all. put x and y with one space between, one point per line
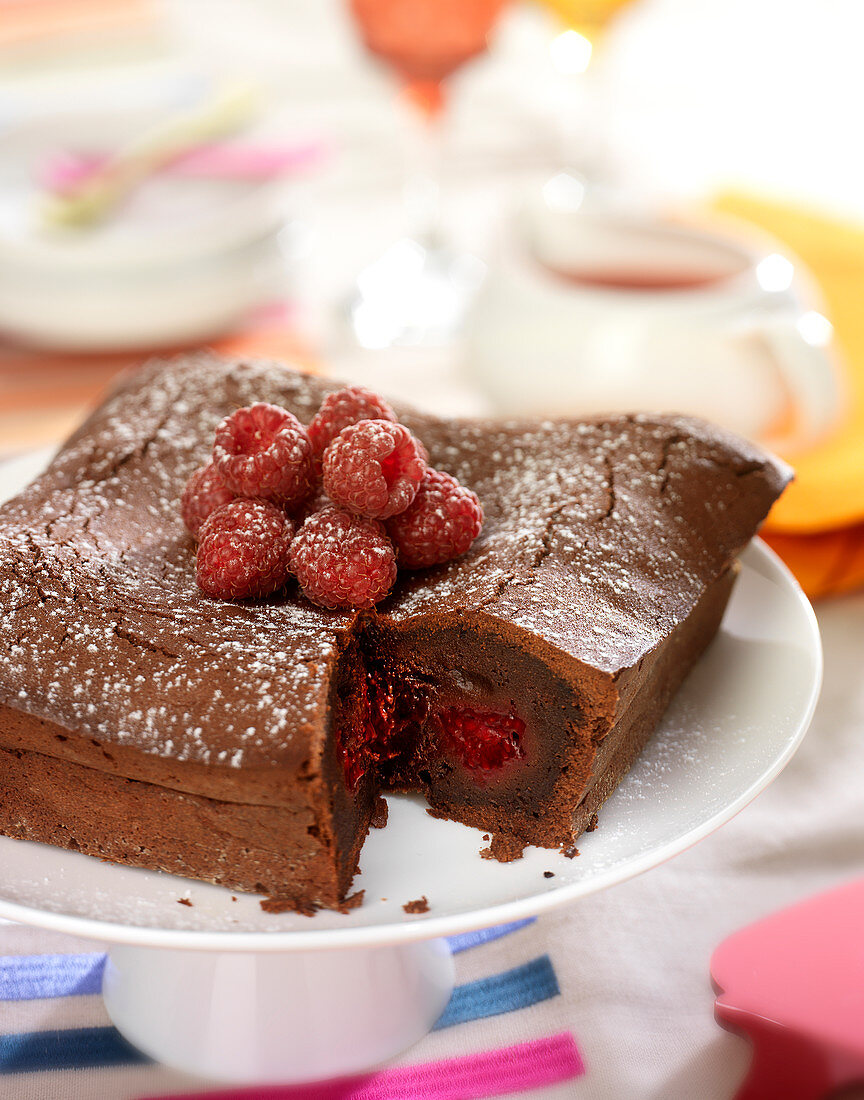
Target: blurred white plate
181 259
167 218
732 727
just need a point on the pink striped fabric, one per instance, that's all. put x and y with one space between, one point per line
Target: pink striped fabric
519 1068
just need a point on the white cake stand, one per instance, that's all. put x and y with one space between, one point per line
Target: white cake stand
222 989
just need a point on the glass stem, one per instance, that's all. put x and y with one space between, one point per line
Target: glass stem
423 183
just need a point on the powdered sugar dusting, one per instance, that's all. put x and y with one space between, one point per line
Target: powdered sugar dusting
599 535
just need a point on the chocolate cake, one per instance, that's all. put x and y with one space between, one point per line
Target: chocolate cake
247 743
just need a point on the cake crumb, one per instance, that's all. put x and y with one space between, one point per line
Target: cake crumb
354 902
419 905
570 853
380 813
548 874
288 905
592 823
184 901
233 898
486 837
504 848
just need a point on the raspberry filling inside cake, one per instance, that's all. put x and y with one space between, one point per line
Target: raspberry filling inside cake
482 741
405 724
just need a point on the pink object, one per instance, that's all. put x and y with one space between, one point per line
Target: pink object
793 984
67 170
501 1072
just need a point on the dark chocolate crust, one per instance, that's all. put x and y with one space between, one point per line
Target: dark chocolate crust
601 573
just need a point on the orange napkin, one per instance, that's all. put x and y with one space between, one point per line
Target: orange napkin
817 527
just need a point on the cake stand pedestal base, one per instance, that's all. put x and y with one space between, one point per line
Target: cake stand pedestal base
277 1017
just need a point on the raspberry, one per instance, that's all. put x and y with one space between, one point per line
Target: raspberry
441 522
244 550
205 491
344 407
342 560
374 468
483 740
263 451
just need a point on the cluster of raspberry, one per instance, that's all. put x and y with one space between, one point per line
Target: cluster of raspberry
338 504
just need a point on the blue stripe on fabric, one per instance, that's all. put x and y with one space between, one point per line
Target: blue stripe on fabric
36 977
73 1048
509 991
485 935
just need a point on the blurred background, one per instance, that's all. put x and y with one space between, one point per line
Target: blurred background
535 207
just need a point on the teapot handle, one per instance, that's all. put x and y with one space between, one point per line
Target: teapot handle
798 347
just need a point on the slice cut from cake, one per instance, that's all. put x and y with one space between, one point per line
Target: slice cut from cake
246 744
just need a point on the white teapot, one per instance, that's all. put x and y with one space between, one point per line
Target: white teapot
598 311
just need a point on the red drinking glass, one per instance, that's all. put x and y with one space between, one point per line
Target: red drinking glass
417 293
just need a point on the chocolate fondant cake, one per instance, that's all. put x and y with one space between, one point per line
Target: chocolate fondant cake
247 743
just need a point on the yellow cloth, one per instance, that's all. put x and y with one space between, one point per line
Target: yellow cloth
818 525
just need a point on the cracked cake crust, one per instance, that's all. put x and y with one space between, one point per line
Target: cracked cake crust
604 541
